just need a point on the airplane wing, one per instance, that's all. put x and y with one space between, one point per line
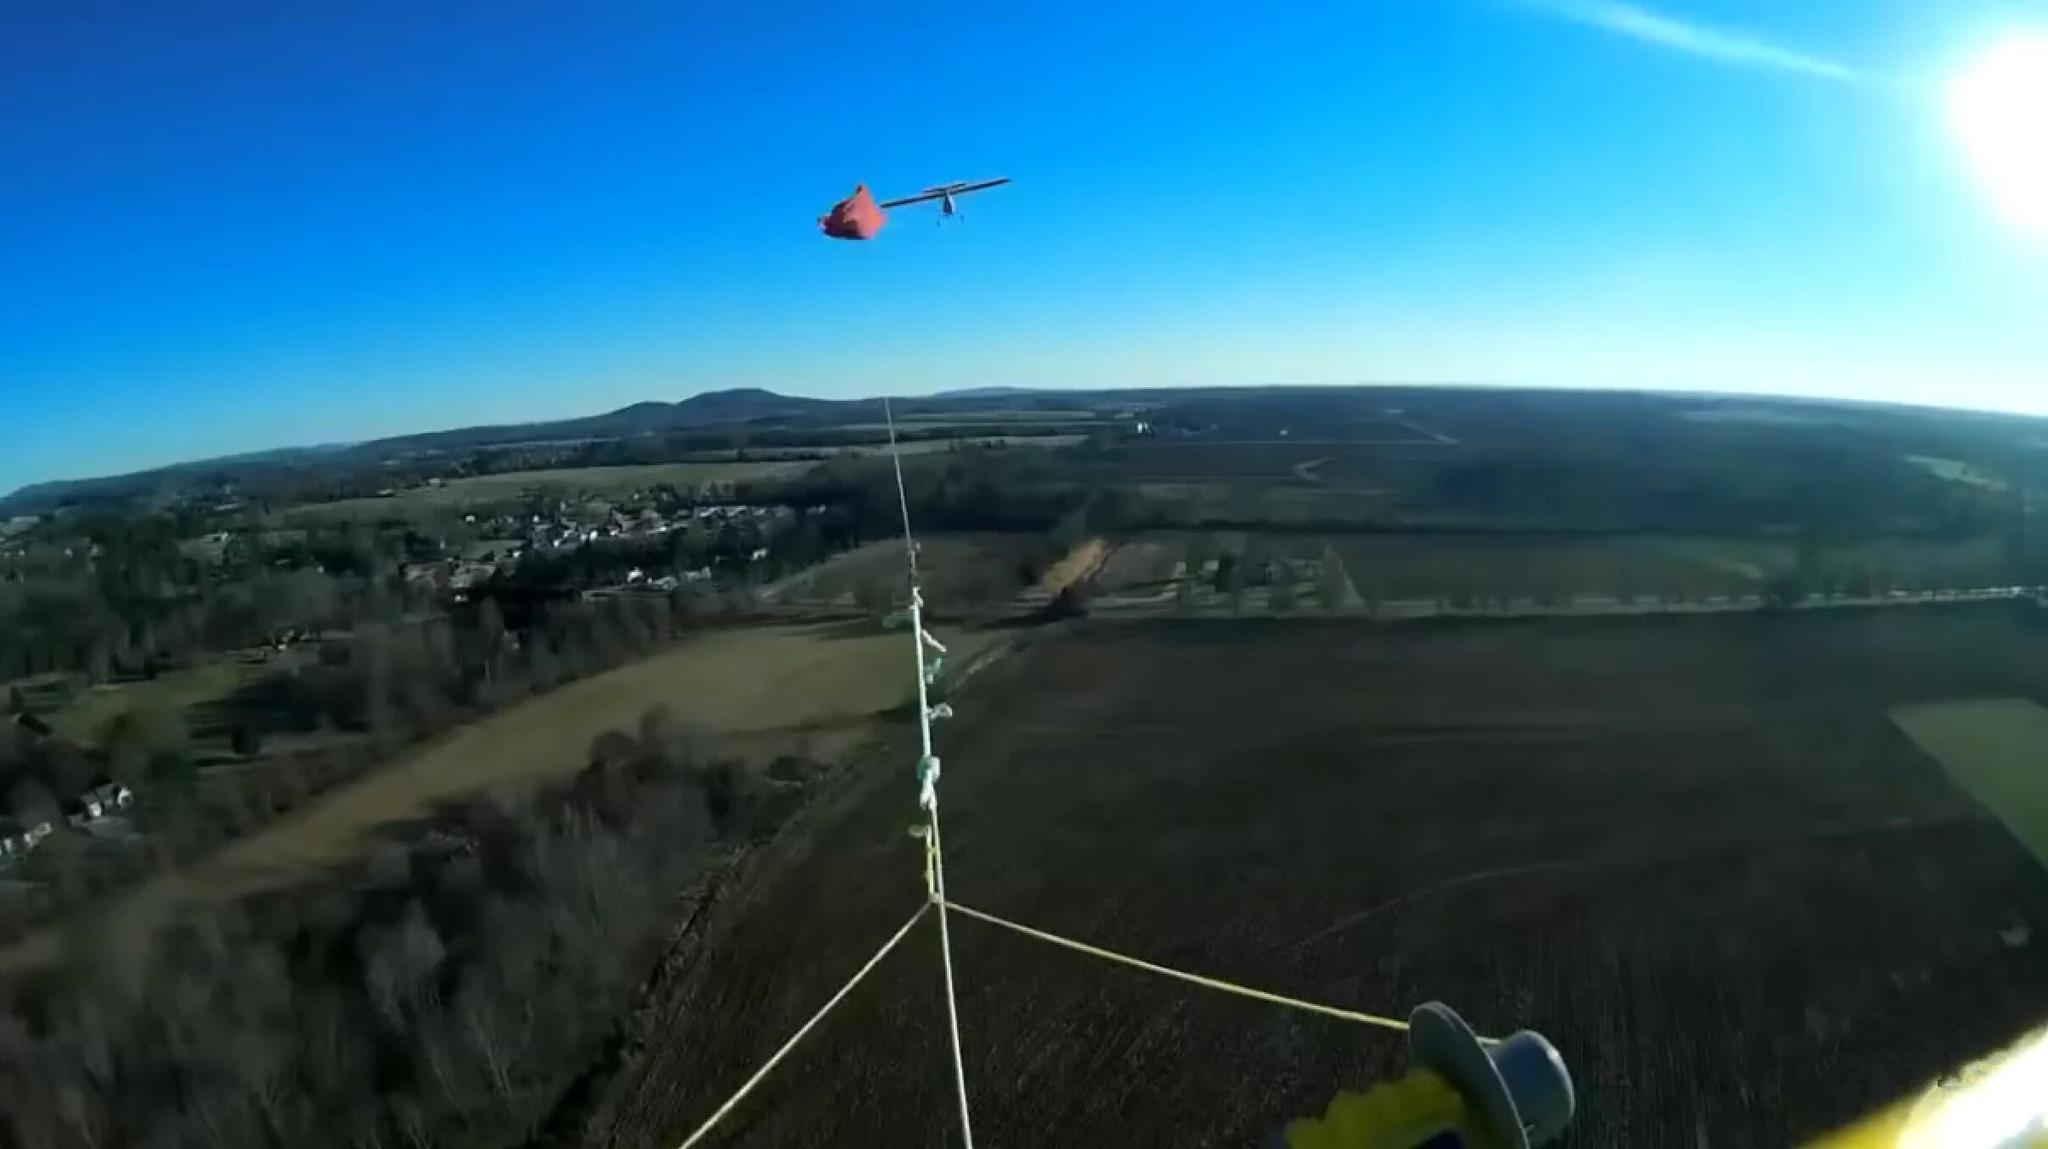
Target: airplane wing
930 194
921 197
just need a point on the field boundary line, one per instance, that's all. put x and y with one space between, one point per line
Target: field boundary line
804 1030
1215 983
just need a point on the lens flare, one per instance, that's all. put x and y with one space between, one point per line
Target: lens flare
1998 109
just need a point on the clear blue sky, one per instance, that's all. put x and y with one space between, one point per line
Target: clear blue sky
231 227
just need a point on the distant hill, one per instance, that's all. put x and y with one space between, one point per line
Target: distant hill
709 409
986 393
37 497
755 409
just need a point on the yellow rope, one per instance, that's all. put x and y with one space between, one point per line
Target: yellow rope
761 1073
1214 983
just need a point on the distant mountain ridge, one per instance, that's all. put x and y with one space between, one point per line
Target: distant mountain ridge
986 392
707 409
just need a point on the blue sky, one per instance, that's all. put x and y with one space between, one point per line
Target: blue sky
227 227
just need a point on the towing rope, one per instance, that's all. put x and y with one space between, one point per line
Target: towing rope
1215 983
803 1031
928 781
928 771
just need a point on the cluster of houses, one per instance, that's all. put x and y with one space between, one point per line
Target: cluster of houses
32 817
566 524
18 838
566 528
13 546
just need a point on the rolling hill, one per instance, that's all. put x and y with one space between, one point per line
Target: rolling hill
709 409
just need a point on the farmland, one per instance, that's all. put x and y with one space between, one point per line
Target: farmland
1695 852
186 692
1243 478
804 684
959 572
1249 462
805 689
1507 568
1527 703
1307 461
921 446
1992 748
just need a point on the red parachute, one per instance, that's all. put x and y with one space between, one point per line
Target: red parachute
855 217
858 216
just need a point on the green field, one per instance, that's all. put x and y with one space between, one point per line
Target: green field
174 691
1957 471
746 684
1997 749
485 490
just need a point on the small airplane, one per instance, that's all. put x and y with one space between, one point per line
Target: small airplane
858 216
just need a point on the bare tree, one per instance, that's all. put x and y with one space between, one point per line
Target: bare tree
136 739
489 1022
410 958
1334 584
411 1121
371 659
622 632
82 1111
1280 598
874 595
655 619
544 669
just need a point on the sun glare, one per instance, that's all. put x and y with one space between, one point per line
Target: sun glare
1998 108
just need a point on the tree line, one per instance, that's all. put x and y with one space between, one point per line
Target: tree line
115 594
366 697
446 993
1687 485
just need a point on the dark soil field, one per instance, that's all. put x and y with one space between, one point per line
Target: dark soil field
1563 566
1489 566
1693 851
1554 568
1304 461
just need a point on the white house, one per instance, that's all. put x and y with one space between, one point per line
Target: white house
18 838
102 801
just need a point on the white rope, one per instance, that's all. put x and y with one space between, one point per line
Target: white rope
928 785
935 879
740 1094
946 958
902 500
